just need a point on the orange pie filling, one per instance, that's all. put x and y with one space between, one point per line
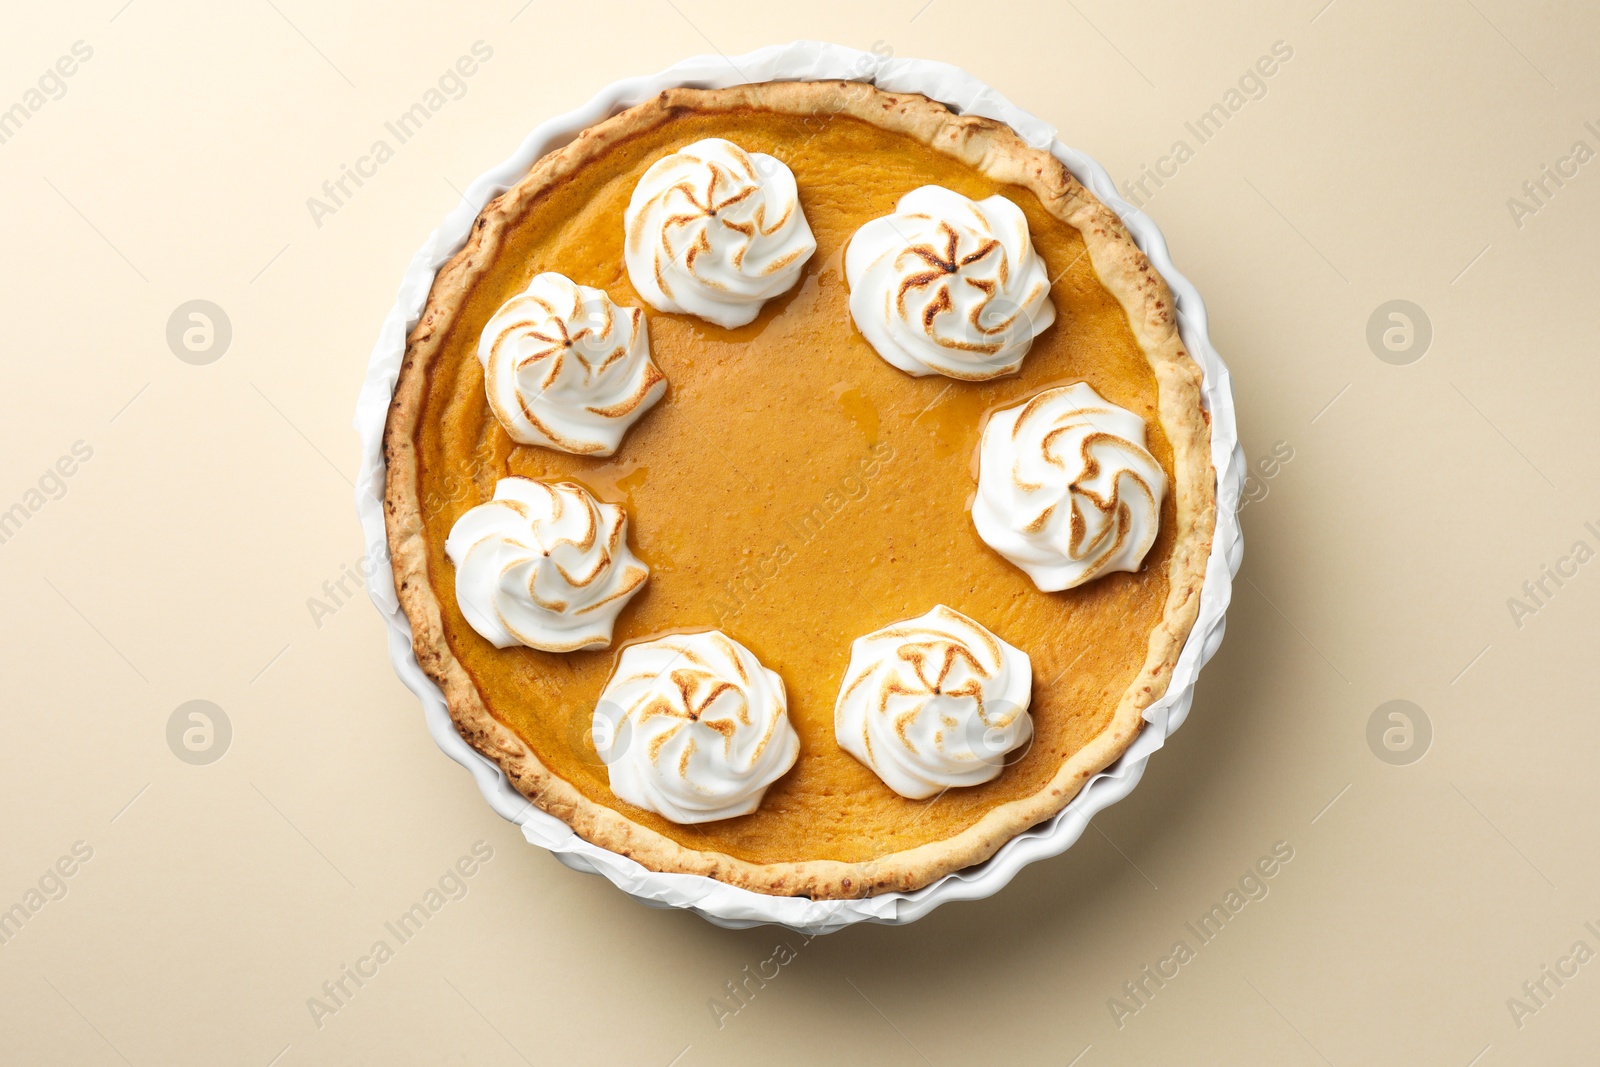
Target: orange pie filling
796 492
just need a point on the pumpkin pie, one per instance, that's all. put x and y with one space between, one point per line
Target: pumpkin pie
800 485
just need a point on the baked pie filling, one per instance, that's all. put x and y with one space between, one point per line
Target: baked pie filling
856 498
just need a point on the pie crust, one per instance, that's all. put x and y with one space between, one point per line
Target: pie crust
1122 269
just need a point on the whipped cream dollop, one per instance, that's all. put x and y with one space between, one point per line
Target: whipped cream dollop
715 231
933 703
694 728
1067 490
543 564
566 368
948 285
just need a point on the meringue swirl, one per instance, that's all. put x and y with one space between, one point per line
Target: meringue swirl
543 564
948 285
1067 490
694 728
566 368
934 703
715 231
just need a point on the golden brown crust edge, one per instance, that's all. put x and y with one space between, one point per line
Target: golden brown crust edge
992 148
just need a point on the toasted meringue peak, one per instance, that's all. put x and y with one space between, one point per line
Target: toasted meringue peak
715 231
543 564
934 703
694 728
948 285
566 368
1067 490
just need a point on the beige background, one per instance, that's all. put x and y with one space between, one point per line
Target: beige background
179 562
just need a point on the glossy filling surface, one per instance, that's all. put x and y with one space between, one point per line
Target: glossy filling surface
797 492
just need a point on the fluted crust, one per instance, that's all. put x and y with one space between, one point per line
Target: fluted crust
544 564
566 368
996 151
949 285
694 728
934 703
1067 490
715 231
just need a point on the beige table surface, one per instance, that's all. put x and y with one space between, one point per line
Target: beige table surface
184 558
